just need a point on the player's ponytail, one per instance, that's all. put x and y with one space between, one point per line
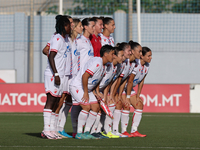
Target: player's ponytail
133 44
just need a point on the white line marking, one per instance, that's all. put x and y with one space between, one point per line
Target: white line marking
105 147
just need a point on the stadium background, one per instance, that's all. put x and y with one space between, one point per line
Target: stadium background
169 27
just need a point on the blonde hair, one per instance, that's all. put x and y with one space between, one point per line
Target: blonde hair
76 22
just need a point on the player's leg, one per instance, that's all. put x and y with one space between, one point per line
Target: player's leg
137 116
117 116
125 118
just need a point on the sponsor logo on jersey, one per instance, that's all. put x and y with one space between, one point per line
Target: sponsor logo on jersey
94 82
76 53
68 49
65 54
136 81
90 53
106 82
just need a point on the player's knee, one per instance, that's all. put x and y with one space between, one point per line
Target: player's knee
139 105
95 108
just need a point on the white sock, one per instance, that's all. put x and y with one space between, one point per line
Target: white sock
74 116
117 116
82 117
60 117
52 124
63 116
90 120
96 123
47 119
137 116
56 121
124 120
108 120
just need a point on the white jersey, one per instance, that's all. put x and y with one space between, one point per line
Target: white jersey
75 58
110 73
128 69
107 40
95 68
85 49
50 41
68 55
140 71
120 68
59 46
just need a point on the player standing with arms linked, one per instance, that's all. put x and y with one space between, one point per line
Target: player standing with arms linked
54 74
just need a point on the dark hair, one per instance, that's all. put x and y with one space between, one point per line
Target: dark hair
145 50
86 22
106 20
67 16
122 45
106 49
60 25
117 50
95 19
133 44
58 17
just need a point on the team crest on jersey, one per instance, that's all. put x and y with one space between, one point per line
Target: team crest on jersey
76 53
55 91
97 65
94 82
90 53
104 40
58 39
51 78
77 91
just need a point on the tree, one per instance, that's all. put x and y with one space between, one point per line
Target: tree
187 6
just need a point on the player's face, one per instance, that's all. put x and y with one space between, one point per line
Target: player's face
147 57
99 26
71 23
79 28
91 27
111 26
68 29
110 56
127 52
120 57
137 52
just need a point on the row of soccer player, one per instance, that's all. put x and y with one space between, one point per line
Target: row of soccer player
97 86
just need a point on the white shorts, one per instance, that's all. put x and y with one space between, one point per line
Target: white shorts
51 87
77 94
66 82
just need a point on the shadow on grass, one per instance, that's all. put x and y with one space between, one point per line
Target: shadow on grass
34 134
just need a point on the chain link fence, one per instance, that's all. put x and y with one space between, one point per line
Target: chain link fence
27 25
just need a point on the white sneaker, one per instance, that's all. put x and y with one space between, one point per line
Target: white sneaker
48 135
56 135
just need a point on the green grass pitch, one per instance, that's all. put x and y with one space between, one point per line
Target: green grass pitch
165 131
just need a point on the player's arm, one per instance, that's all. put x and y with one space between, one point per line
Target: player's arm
45 50
140 85
99 94
53 66
85 77
129 86
121 89
115 87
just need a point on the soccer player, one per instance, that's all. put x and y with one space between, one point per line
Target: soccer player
54 74
123 103
104 87
112 99
137 78
45 50
95 38
82 86
109 27
84 46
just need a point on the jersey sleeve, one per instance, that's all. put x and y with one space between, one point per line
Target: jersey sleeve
56 44
93 66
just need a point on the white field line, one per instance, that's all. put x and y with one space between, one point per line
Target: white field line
101 147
